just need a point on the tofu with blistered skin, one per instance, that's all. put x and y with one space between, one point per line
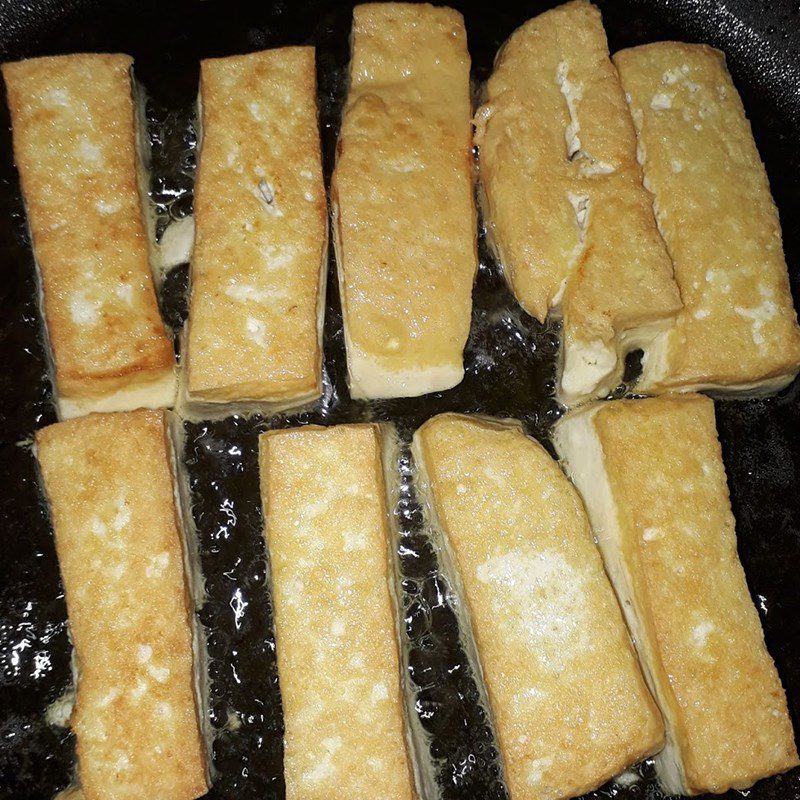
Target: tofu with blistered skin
563 198
738 330
326 526
260 253
109 483
74 146
402 195
569 704
651 475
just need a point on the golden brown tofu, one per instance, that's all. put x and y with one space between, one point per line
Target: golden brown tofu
402 195
74 145
569 703
108 479
260 253
562 192
738 330
651 475
70 793
326 527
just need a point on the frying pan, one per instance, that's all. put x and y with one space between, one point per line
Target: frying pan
509 372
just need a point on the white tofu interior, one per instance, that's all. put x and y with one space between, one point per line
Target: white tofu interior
159 393
176 243
592 370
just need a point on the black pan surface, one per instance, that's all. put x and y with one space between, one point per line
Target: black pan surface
509 360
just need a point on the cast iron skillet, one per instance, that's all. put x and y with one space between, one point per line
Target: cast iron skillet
509 363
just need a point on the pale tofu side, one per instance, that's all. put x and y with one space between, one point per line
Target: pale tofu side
738 329
563 196
109 483
260 252
652 477
74 146
569 704
402 194
326 527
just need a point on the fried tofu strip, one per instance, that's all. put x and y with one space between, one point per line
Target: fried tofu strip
652 478
562 194
402 194
326 527
74 145
569 703
260 253
108 479
738 330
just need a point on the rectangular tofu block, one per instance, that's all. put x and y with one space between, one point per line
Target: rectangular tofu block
563 198
75 149
326 527
108 479
260 251
402 195
738 330
651 475
570 706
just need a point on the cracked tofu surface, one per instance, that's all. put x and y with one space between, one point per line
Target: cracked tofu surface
569 704
260 254
326 527
563 196
74 146
109 484
738 328
652 476
402 194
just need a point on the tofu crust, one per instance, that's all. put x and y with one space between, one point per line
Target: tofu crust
261 232
563 198
326 528
738 330
74 146
403 209
108 479
652 477
570 706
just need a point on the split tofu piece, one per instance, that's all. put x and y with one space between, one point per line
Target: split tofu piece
108 479
260 254
75 149
402 194
651 475
738 329
326 526
569 704
563 198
